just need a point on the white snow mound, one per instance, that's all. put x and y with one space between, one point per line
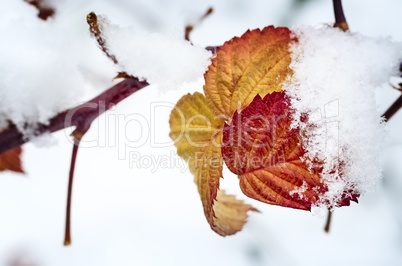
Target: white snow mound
335 74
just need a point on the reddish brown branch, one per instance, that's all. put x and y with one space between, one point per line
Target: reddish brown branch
328 223
80 116
67 234
212 48
189 28
393 109
95 29
340 20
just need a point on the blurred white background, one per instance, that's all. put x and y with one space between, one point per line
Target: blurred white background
126 213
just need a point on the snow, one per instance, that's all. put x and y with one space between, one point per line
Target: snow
38 73
166 60
300 190
131 215
336 74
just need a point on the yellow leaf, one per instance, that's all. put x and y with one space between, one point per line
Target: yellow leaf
256 63
193 127
197 134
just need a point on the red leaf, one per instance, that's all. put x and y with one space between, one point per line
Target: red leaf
260 146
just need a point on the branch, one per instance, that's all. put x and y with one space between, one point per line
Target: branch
328 223
393 109
45 12
67 234
397 104
340 20
95 29
189 28
80 116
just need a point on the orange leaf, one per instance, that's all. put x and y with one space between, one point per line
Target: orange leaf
256 63
10 160
197 134
261 147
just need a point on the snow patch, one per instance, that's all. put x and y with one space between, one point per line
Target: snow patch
299 190
162 59
38 73
335 74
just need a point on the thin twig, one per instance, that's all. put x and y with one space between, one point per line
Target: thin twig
398 88
189 28
67 234
95 29
45 12
393 109
328 223
212 48
340 20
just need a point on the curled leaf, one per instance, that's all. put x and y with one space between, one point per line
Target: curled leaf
230 214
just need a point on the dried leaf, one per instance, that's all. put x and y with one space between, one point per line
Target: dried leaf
197 134
256 63
11 160
231 214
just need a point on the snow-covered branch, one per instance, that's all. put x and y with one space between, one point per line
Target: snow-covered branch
80 116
